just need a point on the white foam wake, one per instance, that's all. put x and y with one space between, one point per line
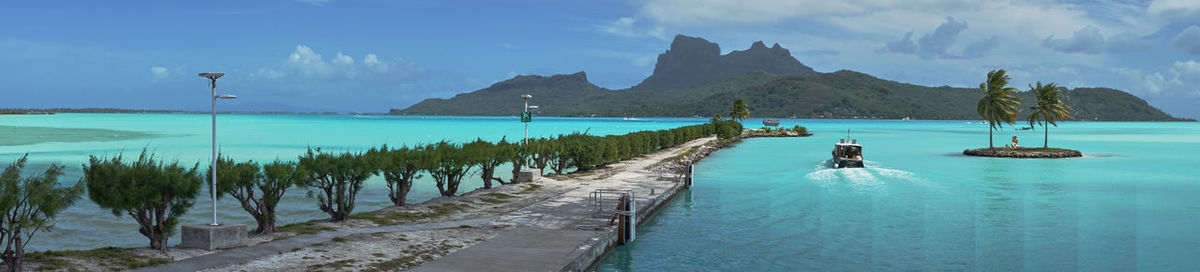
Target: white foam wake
871 177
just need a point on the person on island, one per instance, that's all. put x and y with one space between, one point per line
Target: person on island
1014 142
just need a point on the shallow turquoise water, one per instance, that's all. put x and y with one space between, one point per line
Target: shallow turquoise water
771 205
185 137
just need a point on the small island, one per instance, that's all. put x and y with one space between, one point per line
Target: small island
1025 153
999 106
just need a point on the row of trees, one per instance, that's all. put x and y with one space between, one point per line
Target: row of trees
1000 103
156 193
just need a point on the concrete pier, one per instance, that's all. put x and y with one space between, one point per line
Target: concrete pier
563 233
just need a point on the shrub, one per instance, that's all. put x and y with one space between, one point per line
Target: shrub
334 179
258 188
27 204
487 157
449 166
399 167
155 194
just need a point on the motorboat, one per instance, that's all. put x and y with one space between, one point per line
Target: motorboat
847 153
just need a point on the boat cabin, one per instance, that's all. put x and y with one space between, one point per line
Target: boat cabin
847 154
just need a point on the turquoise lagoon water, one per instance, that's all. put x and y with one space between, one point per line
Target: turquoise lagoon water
69 139
1132 203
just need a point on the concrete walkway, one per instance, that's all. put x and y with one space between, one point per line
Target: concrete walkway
246 254
564 233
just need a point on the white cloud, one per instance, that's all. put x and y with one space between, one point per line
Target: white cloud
1174 9
306 62
343 59
160 72
937 43
1181 78
642 61
1086 40
1188 40
1089 40
371 61
627 27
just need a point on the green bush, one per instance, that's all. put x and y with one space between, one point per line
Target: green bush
27 204
258 188
450 165
400 167
154 193
334 180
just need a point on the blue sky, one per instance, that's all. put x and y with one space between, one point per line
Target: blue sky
369 56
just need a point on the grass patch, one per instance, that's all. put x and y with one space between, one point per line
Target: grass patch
393 264
339 239
499 195
111 258
379 255
529 189
387 217
310 227
337 265
492 200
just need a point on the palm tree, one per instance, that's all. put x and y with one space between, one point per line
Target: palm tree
716 118
999 102
1049 109
739 111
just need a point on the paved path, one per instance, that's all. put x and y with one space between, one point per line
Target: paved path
246 254
559 234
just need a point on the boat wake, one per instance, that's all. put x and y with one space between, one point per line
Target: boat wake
869 178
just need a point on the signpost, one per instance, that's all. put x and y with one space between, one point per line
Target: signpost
526 116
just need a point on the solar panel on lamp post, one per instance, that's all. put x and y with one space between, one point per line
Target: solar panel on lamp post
213 77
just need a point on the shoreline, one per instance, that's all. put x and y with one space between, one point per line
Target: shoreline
1024 153
418 235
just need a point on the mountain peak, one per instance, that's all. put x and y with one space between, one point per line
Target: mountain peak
759 46
694 61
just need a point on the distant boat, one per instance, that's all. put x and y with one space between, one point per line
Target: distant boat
1025 128
847 154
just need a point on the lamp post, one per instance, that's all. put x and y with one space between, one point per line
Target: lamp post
526 116
213 77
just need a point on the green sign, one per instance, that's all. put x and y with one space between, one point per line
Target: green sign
526 117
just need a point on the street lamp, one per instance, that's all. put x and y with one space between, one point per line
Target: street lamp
213 77
526 117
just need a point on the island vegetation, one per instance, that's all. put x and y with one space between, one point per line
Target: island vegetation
999 106
779 87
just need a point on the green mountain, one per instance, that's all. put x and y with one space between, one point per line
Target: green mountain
693 79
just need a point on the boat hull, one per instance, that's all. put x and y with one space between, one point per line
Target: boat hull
844 163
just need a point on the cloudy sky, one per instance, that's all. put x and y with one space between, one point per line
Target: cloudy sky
369 56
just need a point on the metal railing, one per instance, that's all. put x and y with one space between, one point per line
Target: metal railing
603 202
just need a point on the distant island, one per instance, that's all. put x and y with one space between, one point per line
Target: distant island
692 79
52 111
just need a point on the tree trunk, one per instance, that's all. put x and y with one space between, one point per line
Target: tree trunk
990 145
486 174
1046 140
402 193
14 259
516 171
